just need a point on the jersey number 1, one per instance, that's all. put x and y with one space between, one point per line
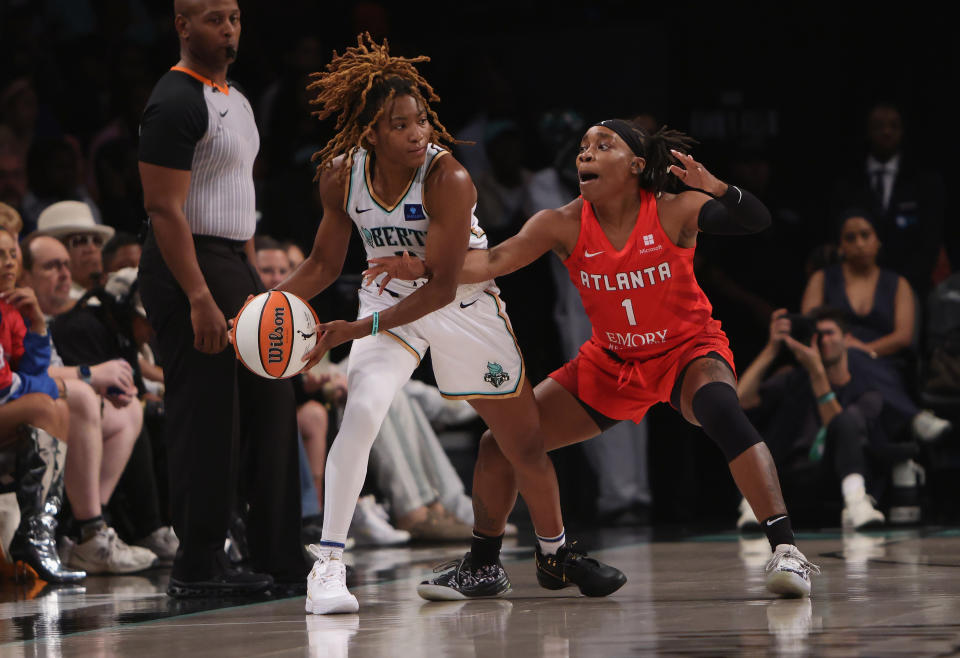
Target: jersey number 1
628 305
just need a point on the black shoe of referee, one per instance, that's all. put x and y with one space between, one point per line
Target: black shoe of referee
571 566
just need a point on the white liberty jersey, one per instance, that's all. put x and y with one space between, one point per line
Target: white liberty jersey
390 230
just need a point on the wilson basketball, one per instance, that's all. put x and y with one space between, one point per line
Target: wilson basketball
272 333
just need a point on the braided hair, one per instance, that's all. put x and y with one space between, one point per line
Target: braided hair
358 85
655 177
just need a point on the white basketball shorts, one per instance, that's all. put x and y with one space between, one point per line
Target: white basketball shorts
473 349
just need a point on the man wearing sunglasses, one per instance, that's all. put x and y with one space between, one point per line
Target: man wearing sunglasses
73 224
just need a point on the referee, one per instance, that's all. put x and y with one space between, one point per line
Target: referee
224 426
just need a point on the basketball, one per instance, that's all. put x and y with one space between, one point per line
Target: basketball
272 333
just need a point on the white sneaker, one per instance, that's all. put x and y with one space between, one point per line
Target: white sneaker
859 512
929 427
788 572
327 591
748 520
105 553
164 543
370 527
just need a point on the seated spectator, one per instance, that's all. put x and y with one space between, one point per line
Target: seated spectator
106 423
120 251
407 461
13 178
72 223
10 220
33 414
53 172
820 420
880 307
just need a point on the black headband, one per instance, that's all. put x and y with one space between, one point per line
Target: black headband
627 133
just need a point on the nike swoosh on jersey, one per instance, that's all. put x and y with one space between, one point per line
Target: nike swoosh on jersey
587 254
359 210
224 113
462 305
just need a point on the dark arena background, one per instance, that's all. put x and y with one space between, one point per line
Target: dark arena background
778 98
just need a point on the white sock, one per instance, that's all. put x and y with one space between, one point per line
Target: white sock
550 546
853 486
331 550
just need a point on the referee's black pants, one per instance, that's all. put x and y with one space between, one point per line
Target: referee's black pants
223 422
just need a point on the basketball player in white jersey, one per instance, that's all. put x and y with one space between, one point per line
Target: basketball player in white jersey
381 173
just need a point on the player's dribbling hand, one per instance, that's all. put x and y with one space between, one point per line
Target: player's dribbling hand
695 175
406 267
330 335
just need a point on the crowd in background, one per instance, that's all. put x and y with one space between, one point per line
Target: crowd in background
861 222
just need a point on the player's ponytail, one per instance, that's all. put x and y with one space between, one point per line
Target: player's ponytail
656 151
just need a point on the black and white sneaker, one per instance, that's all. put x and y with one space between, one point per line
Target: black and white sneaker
571 566
459 580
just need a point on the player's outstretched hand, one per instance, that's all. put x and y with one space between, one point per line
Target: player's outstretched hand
406 267
695 175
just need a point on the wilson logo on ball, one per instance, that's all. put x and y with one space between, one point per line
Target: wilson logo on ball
272 332
274 341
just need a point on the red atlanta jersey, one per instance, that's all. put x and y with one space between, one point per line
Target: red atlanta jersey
644 299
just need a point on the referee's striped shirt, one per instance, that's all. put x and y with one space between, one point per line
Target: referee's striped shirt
191 124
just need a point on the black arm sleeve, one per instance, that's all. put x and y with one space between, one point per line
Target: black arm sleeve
173 122
735 213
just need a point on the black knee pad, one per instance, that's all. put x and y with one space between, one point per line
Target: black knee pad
717 408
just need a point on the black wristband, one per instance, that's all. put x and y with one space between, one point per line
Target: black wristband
736 212
732 197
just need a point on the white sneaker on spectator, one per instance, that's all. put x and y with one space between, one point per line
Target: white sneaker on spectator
788 572
371 528
929 427
164 543
104 552
327 591
747 522
859 512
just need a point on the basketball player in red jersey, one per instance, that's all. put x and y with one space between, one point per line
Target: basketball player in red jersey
628 244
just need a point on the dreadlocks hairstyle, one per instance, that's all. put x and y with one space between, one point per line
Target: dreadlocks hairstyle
656 151
358 85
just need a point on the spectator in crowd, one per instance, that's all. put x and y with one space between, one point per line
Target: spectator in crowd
13 177
820 421
32 414
72 223
120 251
53 172
881 312
19 106
904 199
106 421
10 220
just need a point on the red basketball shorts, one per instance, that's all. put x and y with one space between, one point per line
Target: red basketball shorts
625 390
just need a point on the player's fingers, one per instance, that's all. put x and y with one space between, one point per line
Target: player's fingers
383 283
679 172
